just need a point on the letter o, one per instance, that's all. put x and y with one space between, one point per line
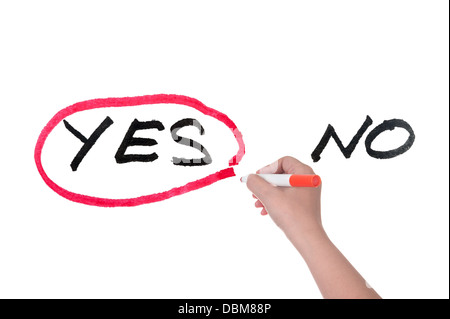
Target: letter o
389 125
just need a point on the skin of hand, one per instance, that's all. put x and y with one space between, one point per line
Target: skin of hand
297 211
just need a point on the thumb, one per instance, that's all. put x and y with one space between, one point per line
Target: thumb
262 189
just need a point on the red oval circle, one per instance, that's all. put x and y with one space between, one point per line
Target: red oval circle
134 101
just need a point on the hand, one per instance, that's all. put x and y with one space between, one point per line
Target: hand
296 210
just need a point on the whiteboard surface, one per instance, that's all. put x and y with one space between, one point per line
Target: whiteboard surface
282 72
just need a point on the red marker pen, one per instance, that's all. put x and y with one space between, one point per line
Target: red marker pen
289 180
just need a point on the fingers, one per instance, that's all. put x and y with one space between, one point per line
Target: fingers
262 191
266 193
258 204
260 188
286 165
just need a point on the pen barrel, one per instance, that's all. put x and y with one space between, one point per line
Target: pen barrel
292 180
277 179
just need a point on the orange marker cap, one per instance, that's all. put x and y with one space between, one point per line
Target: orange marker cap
305 180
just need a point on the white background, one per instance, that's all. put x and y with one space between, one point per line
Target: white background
282 71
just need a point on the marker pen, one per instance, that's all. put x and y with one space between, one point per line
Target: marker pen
289 180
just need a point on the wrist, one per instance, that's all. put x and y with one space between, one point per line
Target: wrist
309 240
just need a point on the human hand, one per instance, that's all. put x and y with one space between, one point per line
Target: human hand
296 210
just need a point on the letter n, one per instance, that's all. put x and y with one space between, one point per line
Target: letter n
331 133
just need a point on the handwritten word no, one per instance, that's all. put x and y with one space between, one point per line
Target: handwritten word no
347 151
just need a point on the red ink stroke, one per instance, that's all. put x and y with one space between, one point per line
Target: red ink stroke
134 101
